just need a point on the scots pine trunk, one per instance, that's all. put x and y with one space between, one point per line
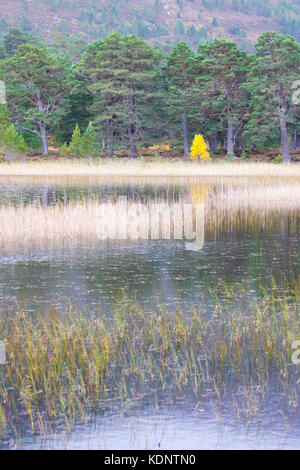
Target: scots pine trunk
131 126
44 138
185 136
131 133
297 140
109 140
230 137
42 124
213 142
284 134
230 125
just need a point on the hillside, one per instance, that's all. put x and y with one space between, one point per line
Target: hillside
165 21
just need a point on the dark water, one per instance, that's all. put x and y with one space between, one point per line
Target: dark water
92 276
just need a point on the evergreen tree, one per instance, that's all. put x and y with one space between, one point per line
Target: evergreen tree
76 110
123 75
274 68
178 72
5 118
13 142
222 71
15 38
76 145
90 144
37 85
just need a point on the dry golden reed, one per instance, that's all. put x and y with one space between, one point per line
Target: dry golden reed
83 221
141 168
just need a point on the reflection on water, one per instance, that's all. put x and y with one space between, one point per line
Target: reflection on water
230 242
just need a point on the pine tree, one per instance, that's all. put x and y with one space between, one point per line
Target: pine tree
13 142
76 147
178 73
123 76
223 69
273 71
10 140
38 86
90 144
5 119
64 150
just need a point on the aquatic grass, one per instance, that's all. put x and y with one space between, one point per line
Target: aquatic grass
66 367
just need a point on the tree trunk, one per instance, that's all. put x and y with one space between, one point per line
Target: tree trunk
230 137
213 142
42 125
230 125
284 135
109 138
185 136
43 134
131 133
297 140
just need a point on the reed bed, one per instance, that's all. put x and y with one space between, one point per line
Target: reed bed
259 207
259 198
139 168
253 208
61 368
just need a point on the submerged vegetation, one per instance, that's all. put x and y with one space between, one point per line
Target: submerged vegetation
65 367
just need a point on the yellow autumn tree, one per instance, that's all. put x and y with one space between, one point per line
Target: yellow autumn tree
199 149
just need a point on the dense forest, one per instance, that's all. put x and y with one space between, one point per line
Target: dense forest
121 91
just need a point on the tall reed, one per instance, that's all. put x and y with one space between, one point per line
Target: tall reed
83 220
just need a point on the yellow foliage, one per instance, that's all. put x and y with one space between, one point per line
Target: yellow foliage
159 147
199 193
199 149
